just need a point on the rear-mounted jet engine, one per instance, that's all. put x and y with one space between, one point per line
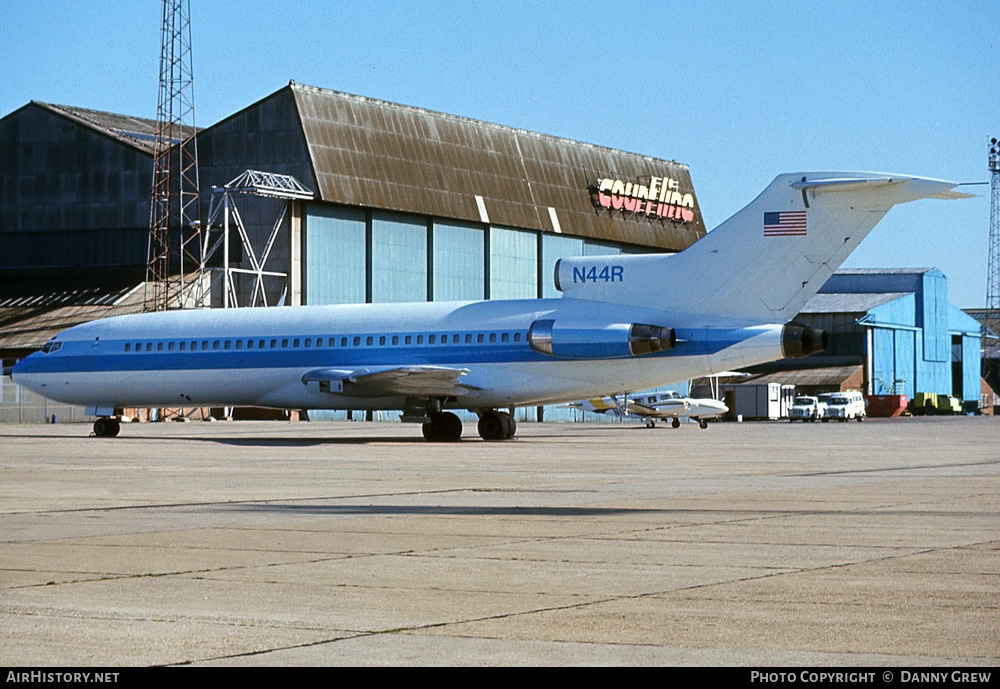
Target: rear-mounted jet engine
801 340
617 341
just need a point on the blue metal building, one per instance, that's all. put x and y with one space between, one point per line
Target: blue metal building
899 326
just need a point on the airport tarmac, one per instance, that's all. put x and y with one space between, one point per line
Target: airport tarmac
268 543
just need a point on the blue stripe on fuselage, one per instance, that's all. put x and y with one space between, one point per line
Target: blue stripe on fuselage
110 355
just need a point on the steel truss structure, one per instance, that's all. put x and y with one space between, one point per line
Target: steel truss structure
253 183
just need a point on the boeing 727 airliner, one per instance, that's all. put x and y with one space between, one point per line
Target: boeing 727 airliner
623 323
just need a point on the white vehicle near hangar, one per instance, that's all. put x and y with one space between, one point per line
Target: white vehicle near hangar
807 408
844 406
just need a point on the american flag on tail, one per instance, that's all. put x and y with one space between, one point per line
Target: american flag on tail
785 224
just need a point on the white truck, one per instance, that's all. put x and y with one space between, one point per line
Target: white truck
846 405
806 408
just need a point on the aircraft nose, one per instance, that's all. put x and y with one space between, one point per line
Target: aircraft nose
19 373
19 368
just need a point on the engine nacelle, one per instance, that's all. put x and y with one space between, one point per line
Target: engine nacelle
615 341
801 340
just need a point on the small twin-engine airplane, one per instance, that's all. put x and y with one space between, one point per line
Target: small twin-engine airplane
628 322
651 406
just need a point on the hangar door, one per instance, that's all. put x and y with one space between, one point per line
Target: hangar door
893 352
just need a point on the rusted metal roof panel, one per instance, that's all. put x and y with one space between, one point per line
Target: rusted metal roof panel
382 155
135 131
32 311
832 376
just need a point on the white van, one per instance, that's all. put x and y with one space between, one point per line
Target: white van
806 408
842 406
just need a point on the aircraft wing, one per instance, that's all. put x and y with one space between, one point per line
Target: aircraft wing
382 382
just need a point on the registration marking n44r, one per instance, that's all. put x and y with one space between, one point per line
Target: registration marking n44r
599 273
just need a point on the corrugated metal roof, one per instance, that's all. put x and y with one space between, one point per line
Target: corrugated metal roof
31 328
376 154
849 303
31 312
832 376
135 131
42 295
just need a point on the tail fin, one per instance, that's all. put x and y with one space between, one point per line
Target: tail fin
764 263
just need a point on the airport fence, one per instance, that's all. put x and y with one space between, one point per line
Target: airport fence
18 405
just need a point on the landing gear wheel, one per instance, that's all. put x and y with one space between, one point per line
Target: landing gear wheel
513 427
651 423
702 424
107 428
676 423
496 425
444 427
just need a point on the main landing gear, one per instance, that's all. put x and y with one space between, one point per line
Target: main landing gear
107 427
443 427
496 425
446 427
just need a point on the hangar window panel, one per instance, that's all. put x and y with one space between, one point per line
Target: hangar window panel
459 251
513 264
555 247
399 258
334 248
592 248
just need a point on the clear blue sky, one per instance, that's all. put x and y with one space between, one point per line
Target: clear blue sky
739 91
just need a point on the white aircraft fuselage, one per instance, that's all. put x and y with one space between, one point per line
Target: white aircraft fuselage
259 356
628 322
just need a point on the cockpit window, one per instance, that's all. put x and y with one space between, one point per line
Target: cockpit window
51 346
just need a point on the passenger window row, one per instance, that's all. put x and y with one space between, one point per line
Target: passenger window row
330 342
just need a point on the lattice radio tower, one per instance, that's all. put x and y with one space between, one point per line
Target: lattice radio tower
993 270
174 226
